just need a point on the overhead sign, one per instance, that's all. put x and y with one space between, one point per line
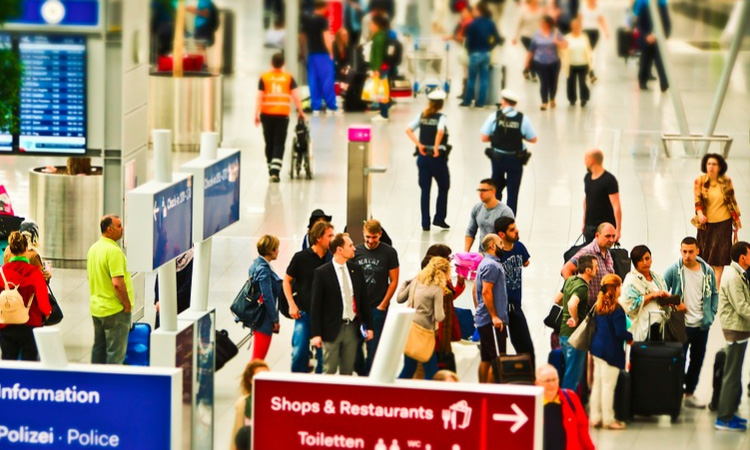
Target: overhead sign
160 221
58 15
217 203
77 407
322 412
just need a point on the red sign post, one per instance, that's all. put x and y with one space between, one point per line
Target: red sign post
329 412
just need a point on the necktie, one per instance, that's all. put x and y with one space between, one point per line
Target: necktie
348 298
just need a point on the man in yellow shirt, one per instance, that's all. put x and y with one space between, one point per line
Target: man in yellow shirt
111 292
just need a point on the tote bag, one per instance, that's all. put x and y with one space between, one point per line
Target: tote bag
420 343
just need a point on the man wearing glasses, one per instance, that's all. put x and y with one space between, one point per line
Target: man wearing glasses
485 213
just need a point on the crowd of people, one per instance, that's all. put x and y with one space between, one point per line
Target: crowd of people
338 292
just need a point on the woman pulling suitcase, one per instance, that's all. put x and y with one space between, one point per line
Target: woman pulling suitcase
432 158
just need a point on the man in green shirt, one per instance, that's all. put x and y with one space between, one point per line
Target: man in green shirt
574 299
111 292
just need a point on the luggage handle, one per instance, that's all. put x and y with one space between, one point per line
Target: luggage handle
661 313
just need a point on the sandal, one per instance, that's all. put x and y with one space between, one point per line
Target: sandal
543 107
616 426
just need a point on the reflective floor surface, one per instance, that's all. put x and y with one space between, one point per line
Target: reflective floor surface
626 123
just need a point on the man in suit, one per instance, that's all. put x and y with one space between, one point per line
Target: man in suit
339 306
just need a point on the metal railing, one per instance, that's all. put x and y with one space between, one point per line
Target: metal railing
726 140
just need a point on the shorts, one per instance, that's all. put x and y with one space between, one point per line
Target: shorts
487 335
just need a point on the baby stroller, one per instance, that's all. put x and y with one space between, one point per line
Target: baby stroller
301 150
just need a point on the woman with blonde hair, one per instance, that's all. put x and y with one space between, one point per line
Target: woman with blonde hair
268 284
243 409
425 295
607 348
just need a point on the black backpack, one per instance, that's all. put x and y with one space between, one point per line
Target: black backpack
394 54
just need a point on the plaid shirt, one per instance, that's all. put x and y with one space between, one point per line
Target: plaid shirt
605 265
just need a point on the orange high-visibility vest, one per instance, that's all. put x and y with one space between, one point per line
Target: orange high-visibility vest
277 93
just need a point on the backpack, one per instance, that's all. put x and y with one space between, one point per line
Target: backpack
13 311
394 53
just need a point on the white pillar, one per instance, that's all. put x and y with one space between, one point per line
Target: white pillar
49 342
391 346
168 272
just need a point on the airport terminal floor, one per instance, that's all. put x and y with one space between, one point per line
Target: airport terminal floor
626 123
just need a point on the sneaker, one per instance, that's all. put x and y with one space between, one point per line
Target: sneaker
379 119
692 401
333 112
275 178
740 419
465 105
316 113
732 425
425 228
442 225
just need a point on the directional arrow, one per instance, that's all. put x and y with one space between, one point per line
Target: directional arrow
519 418
156 210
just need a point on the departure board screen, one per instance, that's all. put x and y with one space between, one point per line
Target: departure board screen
53 94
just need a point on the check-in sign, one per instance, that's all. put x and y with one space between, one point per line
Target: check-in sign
329 412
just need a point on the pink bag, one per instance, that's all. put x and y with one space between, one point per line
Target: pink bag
467 263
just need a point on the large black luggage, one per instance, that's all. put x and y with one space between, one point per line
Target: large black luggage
623 397
656 373
718 375
624 42
353 95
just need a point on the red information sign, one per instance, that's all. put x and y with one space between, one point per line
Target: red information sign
329 412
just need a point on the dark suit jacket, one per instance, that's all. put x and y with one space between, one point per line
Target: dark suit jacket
327 307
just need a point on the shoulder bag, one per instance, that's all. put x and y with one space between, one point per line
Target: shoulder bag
248 307
420 343
584 334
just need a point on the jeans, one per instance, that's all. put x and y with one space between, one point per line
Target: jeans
320 77
17 342
274 133
731 386
519 331
436 168
110 338
696 342
410 367
548 75
578 73
507 171
575 362
301 346
479 65
363 364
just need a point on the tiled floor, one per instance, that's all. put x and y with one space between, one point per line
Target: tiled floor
626 123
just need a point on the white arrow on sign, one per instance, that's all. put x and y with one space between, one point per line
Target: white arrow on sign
156 210
519 418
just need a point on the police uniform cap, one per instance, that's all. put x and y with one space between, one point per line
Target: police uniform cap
509 95
437 94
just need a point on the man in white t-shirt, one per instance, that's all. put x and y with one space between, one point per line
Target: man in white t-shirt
693 279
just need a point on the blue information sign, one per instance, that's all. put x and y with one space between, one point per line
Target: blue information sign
70 409
221 195
59 13
173 221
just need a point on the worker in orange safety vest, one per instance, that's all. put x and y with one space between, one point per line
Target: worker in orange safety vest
276 90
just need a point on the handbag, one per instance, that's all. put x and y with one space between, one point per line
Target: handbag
247 308
554 318
584 334
620 260
56 316
674 327
571 252
420 343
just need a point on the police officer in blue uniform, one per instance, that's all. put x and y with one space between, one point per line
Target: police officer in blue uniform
432 158
506 130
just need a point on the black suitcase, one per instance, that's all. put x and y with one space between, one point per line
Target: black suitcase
656 373
623 397
624 42
225 348
718 374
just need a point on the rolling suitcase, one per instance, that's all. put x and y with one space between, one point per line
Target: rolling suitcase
139 345
623 397
718 378
624 42
557 359
513 369
656 373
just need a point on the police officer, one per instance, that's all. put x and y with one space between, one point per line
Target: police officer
432 158
276 90
506 130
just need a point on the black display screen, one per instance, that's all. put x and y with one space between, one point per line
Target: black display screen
52 110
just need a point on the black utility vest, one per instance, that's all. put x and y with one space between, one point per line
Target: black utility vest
428 128
507 136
